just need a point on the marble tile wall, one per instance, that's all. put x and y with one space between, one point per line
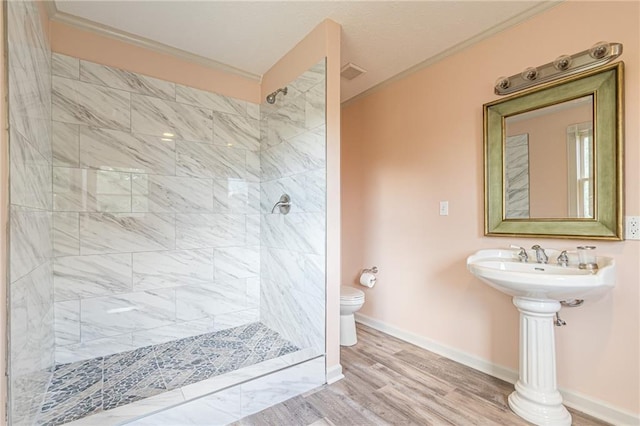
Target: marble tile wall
517 176
31 333
292 258
156 210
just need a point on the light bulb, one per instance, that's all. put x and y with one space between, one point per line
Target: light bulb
530 74
599 50
562 63
502 83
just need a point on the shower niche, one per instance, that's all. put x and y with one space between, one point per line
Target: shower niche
149 277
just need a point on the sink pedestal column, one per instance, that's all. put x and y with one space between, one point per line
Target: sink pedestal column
536 397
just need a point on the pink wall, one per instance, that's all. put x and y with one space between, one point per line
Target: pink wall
323 41
548 181
417 141
98 48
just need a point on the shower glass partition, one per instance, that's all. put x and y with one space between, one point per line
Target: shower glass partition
144 257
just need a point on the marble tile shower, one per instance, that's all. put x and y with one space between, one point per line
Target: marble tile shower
156 210
30 289
292 258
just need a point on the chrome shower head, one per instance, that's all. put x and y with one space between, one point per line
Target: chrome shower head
271 98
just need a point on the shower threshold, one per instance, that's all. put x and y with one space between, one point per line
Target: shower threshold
104 386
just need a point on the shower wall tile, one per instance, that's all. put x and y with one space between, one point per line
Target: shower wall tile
31 308
303 153
65 144
159 117
168 333
210 230
66 234
284 266
236 262
171 194
209 161
253 111
253 292
252 160
67 323
65 66
81 277
30 277
314 275
238 131
116 315
301 232
102 233
30 101
149 177
94 348
126 152
30 240
253 230
286 122
310 78
230 196
211 101
125 80
205 301
292 260
77 102
81 190
314 108
237 318
30 175
172 268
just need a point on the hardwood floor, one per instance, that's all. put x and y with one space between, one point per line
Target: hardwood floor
391 382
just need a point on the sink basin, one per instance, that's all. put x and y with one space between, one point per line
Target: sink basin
502 270
537 291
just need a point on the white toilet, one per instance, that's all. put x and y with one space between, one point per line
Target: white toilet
351 300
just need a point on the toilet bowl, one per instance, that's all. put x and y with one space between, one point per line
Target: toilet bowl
351 300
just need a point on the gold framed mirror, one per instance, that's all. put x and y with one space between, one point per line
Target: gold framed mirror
553 159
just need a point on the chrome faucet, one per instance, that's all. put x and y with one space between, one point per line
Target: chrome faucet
563 259
541 256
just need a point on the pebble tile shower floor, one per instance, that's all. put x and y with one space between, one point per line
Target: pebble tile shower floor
87 387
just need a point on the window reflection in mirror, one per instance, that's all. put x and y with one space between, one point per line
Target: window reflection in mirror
549 164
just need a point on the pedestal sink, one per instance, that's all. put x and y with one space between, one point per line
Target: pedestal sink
537 291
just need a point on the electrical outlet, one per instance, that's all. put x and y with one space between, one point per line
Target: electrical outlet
632 228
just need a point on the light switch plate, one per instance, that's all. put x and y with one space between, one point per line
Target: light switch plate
444 208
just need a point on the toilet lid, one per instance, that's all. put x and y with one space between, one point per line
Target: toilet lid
350 293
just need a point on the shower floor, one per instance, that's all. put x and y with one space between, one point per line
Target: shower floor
83 388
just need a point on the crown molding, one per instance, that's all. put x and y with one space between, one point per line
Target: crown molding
113 33
529 13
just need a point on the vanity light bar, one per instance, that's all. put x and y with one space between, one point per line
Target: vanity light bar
600 53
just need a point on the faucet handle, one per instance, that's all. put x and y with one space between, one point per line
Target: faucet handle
522 254
563 259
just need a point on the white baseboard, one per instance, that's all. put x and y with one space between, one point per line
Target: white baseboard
334 374
575 400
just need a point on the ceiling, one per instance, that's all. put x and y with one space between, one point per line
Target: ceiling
385 38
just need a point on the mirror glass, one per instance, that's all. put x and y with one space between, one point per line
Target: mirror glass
549 161
553 159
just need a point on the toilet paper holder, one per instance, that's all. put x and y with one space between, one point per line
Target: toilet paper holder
373 270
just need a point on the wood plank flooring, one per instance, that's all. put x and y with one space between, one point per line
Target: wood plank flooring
392 382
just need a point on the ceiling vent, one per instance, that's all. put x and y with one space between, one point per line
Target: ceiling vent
351 71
